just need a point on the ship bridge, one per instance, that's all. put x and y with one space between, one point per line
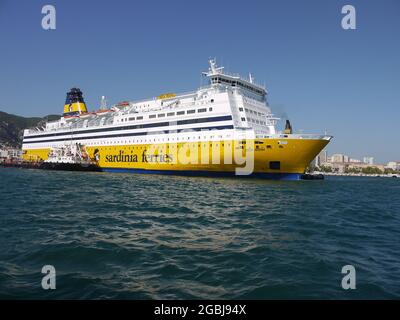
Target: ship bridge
218 77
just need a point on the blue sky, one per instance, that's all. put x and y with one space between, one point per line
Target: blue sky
322 77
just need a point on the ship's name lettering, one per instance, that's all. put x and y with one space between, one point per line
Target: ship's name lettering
122 157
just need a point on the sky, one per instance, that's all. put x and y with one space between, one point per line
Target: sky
320 76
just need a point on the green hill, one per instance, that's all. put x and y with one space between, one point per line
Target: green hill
12 127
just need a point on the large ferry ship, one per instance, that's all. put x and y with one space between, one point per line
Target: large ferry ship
224 128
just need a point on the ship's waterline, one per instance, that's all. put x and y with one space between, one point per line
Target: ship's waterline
226 127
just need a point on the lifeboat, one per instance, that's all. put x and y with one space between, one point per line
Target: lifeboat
123 104
103 111
70 116
86 114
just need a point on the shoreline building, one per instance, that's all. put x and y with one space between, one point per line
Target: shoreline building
368 160
321 158
341 163
7 154
393 165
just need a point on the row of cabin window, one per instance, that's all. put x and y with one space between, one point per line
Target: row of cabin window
251 111
256 121
172 139
202 102
169 114
151 140
254 112
251 119
217 144
252 102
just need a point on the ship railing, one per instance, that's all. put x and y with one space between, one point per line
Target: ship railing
308 136
178 95
36 130
311 136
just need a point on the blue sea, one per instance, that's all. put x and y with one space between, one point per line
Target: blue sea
131 236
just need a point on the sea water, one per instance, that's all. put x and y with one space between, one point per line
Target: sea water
132 236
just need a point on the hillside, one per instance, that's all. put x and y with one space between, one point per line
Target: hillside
12 127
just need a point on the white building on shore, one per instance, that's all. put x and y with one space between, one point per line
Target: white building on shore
394 165
341 163
368 160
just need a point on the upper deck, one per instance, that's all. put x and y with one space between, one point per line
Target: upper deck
213 100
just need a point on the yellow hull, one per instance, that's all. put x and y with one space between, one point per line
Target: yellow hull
267 156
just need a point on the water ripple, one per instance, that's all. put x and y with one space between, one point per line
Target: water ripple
148 237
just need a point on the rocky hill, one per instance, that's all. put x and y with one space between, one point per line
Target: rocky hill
12 127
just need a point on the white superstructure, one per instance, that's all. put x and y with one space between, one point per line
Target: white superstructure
228 107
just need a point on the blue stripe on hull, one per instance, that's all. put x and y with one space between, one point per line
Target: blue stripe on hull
192 173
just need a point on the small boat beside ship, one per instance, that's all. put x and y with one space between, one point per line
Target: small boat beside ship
72 157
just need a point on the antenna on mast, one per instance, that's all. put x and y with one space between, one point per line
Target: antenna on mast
251 79
103 103
213 69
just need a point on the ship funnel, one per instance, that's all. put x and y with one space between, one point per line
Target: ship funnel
288 128
74 104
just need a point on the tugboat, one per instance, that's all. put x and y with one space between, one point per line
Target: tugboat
71 157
